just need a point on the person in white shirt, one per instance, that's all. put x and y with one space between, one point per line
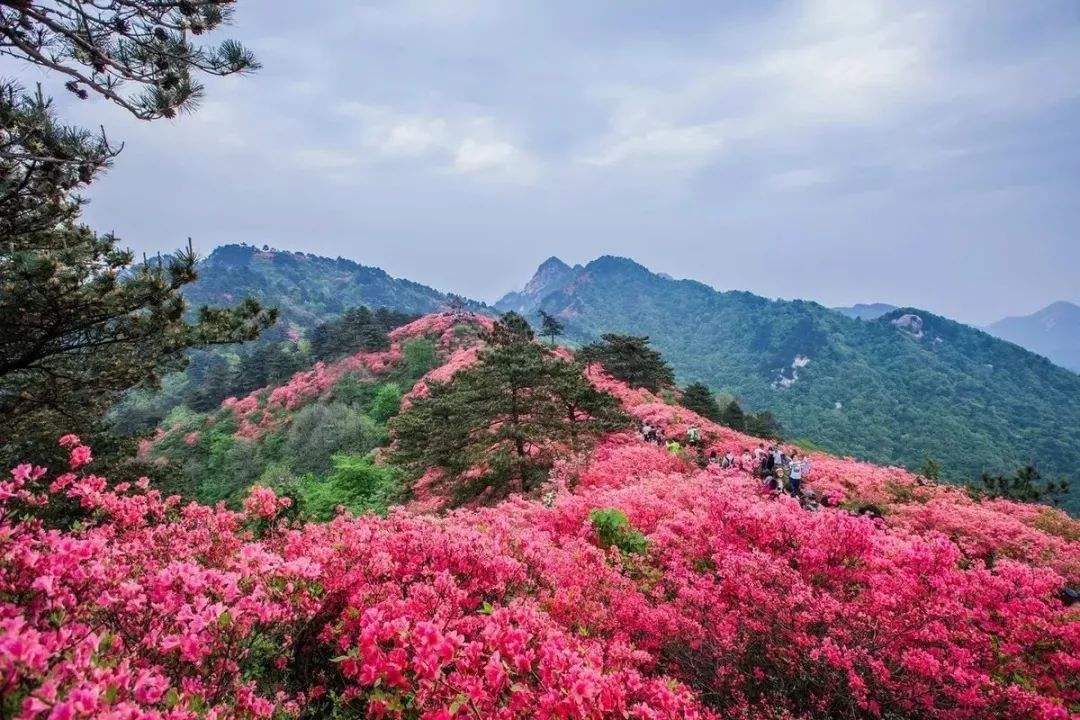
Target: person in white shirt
797 470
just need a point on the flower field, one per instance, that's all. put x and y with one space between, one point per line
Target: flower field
738 604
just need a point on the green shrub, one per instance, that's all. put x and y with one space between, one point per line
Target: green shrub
386 403
357 483
613 528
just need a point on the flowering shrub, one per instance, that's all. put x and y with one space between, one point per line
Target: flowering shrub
725 602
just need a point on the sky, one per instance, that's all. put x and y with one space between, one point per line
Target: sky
916 153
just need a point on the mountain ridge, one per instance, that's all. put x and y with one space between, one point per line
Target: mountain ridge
902 387
309 288
1053 332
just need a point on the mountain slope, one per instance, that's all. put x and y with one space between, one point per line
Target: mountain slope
898 389
1053 332
307 288
634 583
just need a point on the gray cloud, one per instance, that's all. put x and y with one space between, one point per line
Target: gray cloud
913 152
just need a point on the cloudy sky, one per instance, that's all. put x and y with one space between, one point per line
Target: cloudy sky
920 153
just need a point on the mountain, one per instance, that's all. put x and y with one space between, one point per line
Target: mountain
306 288
897 389
552 275
865 311
1053 332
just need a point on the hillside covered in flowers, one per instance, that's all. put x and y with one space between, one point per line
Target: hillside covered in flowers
635 581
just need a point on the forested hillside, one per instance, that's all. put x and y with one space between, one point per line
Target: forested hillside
902 388
586 572
306 288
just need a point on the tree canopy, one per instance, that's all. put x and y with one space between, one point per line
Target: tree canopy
100 47
501 420
629 358
550 326
699 398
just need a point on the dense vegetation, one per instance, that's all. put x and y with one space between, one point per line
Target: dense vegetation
311 437
880 390
503 422
309 289
212 376
633 584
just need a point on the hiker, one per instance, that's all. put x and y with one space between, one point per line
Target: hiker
746 462
647 432
713 458
728 461
693 436
768 463
777 456
796 470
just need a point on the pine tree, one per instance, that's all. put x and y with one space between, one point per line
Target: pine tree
80 322
215 385
631 359
99 47
508 415
699 398
733 417
763 425
550 327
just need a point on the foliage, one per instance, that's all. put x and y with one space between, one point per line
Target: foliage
502 419
43 166
421 355
1023 486
629 358
699 398
613 529
550 327
309 289
99 47
75 335
357 330
285 436
357 484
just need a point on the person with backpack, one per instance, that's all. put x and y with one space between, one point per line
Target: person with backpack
693 436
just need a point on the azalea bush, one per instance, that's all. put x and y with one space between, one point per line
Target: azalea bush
634 584
736 605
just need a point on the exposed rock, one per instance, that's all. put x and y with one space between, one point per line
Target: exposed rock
910 323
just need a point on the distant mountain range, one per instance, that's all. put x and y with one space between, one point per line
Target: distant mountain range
866 311
897 388
1053 332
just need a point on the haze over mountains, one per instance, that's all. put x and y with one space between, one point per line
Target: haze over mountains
898 388
1053 332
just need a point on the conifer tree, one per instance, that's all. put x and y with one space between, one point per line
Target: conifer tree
699 398
631 359
733 417
100 47
507 415
550 327
80 321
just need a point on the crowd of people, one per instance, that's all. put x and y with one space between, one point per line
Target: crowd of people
778 471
